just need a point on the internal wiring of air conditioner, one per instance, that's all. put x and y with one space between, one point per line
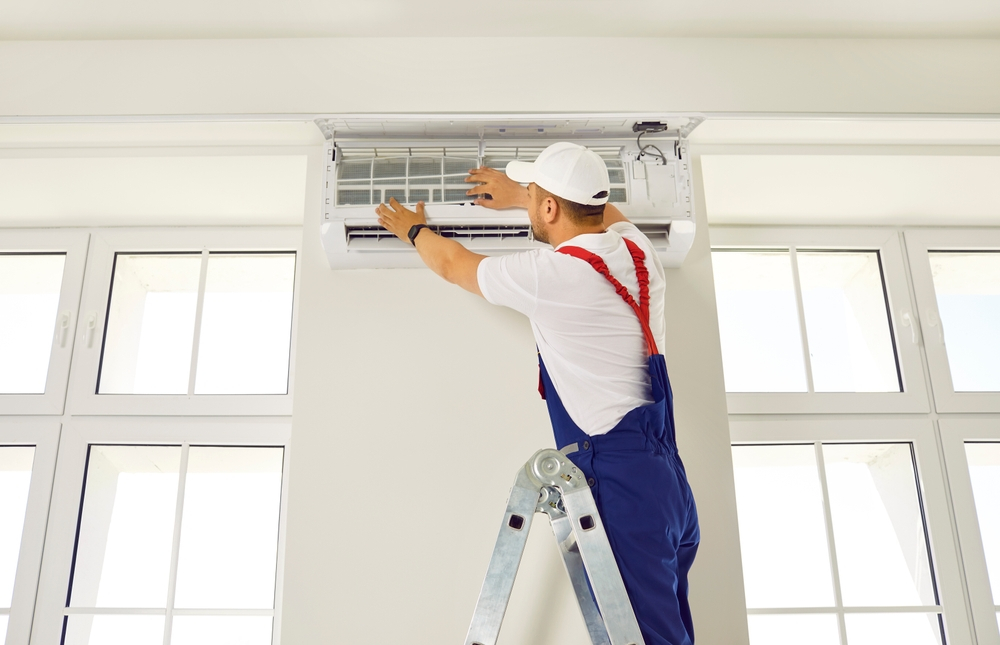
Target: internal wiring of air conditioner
642 149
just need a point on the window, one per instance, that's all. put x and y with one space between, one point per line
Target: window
183 323
815 320
185 537
40 279
241 311
829 526
956 278
848 345
163 522
29 302
27 459
847 509
972 452
15 480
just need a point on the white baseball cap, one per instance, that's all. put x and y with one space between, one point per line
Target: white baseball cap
566 170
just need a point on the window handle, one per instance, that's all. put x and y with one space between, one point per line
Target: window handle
91 326
934 320
909 322
63 332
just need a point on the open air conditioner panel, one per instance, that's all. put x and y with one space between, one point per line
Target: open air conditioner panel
372 161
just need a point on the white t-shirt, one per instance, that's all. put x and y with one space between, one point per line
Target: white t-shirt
589 338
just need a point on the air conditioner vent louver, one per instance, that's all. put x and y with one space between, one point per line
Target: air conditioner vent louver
372 160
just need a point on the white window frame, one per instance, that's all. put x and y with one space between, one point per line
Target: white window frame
931 484
918 243
74 244
44 437
886 241
60 539
955 432
90 330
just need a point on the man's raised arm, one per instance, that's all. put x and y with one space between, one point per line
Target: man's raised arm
447 258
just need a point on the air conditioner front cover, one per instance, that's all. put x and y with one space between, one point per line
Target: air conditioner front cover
370 160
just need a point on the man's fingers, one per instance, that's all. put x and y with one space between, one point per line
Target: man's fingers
488 203
420 209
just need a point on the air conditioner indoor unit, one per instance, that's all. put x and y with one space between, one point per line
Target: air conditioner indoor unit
370 159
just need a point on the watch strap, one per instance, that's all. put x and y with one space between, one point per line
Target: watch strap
414 231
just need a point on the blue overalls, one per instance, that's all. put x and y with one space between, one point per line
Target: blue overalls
639 484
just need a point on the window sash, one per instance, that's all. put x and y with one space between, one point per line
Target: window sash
945 560
913 398
77 436
955 433
74 244
94 308
918 243
44 436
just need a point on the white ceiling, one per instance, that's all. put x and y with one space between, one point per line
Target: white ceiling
132 19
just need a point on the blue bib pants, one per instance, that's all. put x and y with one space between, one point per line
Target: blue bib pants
641 490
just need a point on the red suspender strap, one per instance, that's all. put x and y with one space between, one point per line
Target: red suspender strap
641 273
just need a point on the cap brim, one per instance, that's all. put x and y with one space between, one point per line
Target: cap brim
523 172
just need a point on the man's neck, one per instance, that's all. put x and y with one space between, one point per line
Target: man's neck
562 234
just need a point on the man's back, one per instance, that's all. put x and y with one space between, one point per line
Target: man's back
590 341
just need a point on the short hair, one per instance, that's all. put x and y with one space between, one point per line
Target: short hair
579 213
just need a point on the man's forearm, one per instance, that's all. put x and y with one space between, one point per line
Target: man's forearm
449 259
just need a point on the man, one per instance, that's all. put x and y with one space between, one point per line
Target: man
596 306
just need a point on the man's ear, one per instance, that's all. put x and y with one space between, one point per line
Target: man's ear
549 210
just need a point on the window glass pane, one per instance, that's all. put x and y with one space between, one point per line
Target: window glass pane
221 630
147 347
114 630
984 470
878 525
786 562
29 299
229 531
15 479
123 551
968 296
794 629
246 324
758 322
847 324
879 629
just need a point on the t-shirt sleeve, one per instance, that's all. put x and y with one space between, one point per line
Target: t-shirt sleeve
629 230
511 281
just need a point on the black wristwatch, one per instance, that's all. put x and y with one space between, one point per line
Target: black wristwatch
414 231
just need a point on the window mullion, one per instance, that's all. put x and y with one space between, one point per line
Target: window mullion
175 546
831 543
802 318
196 341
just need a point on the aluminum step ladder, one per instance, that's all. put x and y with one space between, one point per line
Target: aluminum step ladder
549 483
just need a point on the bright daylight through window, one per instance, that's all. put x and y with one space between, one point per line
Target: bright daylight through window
984 469
29 298
764 296
15 476
209 323
176 538
838 529
967 286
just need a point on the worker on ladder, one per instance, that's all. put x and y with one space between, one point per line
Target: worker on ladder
596 306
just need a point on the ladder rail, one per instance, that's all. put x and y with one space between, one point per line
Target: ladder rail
495 593
549 483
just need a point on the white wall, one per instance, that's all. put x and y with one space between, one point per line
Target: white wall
415 401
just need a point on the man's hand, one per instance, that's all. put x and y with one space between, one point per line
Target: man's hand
398 219
506 192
